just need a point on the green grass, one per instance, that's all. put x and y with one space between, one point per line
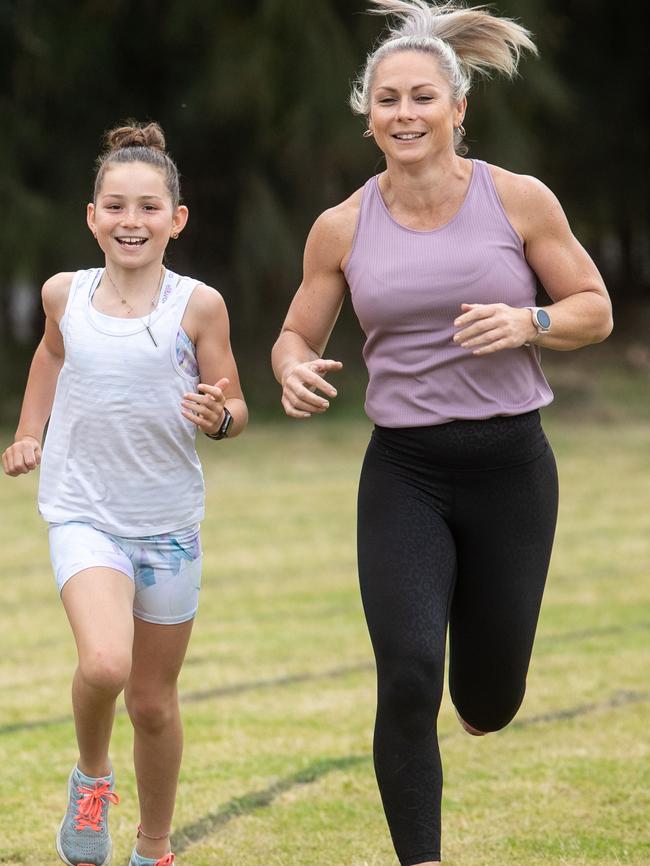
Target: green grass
279 685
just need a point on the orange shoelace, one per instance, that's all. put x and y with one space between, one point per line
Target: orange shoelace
89 808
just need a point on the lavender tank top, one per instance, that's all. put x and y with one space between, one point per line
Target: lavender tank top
407 287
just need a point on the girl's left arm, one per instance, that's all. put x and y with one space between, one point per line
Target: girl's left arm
206 323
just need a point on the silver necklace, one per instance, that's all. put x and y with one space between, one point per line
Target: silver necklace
130 308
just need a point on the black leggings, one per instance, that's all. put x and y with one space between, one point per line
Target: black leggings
455 527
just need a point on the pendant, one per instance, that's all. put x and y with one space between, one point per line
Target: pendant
153 339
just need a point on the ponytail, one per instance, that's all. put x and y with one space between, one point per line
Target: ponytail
465 42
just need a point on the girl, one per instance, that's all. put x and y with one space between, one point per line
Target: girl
458 492
117 373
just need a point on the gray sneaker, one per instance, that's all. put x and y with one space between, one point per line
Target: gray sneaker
83 838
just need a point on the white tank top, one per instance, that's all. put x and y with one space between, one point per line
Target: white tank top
118 453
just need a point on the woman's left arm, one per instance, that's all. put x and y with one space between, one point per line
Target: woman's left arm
580 312
206 323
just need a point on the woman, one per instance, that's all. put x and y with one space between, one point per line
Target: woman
118 368
458 492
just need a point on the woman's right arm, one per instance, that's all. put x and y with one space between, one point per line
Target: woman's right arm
25 453
296 355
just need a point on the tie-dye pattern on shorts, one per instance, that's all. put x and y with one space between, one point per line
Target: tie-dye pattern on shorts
166 568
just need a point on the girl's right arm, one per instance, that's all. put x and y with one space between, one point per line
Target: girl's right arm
25 454
296 356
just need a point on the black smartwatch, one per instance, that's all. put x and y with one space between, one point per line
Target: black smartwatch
224 430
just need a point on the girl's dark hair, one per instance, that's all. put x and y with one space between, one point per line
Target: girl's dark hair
138 142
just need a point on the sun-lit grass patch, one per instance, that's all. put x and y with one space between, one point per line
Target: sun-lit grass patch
278 687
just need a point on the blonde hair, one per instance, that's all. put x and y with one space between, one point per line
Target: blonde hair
138 142
465 42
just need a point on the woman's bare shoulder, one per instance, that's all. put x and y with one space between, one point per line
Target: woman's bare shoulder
333 231
517 190
527 201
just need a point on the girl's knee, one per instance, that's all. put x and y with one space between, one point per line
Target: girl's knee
152 712
104 672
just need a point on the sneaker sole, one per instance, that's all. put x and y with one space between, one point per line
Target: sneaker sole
59 850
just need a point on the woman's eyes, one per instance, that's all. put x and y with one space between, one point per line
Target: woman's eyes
422 98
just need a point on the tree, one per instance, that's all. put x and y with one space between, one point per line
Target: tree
252 95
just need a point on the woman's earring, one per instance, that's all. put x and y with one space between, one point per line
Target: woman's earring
367 133
174 235
461 130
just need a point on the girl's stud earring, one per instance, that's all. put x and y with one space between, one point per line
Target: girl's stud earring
174 236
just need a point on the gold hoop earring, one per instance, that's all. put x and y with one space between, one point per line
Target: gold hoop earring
174 236
368 133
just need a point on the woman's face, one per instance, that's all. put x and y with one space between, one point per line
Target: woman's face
133 217
412 114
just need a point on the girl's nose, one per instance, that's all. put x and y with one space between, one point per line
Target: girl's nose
131 217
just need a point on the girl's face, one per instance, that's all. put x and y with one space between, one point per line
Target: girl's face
412 114
133 217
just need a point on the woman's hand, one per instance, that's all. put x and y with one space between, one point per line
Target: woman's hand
206 409
299 386
487 328
21 457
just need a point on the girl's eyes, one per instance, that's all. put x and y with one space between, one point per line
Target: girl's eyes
150 208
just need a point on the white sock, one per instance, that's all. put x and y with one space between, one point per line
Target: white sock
139 860
90 780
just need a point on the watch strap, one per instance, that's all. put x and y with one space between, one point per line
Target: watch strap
224 430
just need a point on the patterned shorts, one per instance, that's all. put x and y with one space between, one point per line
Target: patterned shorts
166 569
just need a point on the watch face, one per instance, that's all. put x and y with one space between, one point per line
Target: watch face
543 319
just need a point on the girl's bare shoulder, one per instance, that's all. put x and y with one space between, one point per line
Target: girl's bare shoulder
55 293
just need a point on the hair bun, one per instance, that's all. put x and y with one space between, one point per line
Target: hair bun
134 134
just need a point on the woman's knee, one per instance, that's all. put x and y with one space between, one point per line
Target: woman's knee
410 694
492 716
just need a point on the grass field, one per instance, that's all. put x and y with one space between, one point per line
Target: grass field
278 686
